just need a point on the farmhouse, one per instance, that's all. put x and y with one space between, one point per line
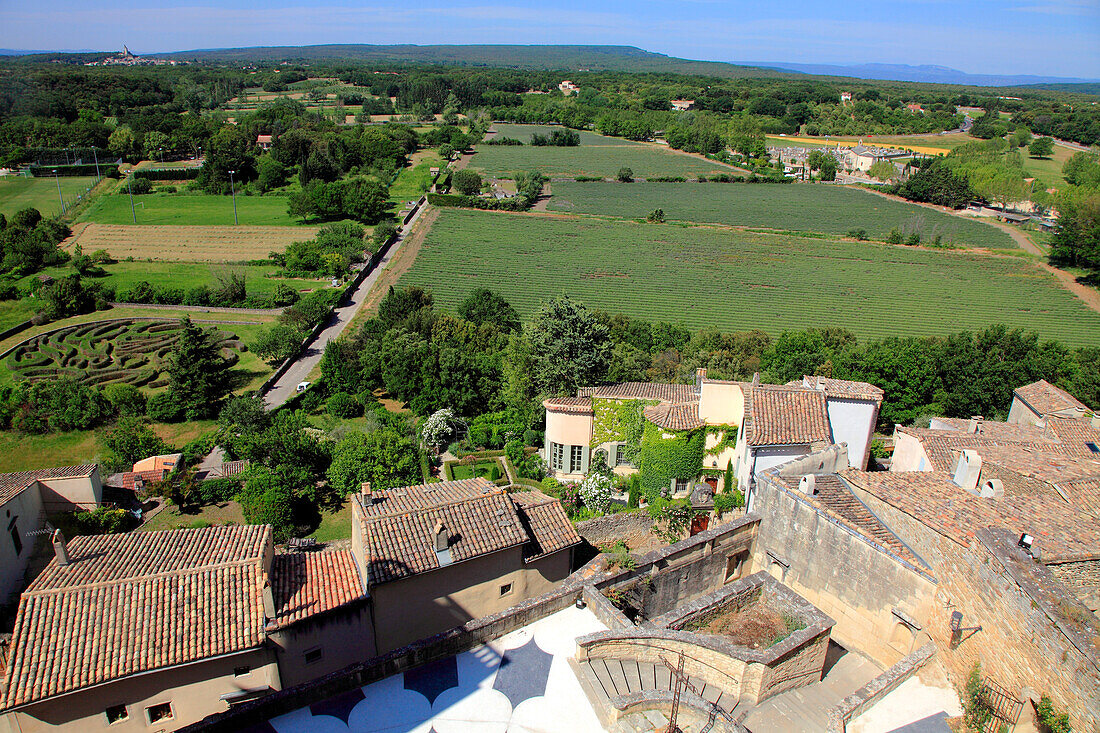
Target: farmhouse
567 87
682 105
263 142
862 157
710 425
438 555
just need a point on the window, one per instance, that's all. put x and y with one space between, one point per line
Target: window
159 712
557 456
620 455
16 540
735 564
576 453
505 589
115 713
241 671
313 655
681 485
1093 447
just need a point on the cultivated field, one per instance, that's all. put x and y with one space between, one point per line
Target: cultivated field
187 243
19 192
259 279
736 280
132 352
588 139
600 156
189 209
792 207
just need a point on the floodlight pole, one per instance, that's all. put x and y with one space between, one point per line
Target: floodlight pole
96 154
59 196
130 187
233 192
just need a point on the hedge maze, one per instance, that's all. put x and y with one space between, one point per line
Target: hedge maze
129 351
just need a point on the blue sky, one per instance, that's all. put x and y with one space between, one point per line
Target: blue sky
1049 37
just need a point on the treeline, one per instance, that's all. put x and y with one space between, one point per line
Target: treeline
28 243
483 360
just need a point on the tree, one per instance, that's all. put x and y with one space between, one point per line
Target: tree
1021 137
66 297
198 376
270 173
1041 147
625 175
936 183
155 142
131 440
245 413
467 182
1076 240
266 499
440 428
882 170
342 404
277 344
127 399
121 142
484 306
569 346
1082 169
364 200
384 457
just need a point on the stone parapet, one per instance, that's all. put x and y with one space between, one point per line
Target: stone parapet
863 698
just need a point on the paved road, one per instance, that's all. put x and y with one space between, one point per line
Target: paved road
285 387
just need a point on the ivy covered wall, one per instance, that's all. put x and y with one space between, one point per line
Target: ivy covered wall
662 459
619 421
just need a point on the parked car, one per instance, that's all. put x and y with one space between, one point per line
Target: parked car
303 386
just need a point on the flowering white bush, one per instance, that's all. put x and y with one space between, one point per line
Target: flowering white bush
440 428
596 491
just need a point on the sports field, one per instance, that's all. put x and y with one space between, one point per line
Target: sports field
523 133
595 156
791 207
189 209
187 243
186 275
20 192
735 280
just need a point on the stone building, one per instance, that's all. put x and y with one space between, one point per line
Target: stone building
438 555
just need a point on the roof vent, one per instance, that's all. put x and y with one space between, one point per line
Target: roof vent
808 485
755 378
975 425
968 470
992 489
442 544
60 549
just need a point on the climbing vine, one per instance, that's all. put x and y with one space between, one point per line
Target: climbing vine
662 459
619 421
727 438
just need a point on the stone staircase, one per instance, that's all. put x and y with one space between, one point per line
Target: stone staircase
605 679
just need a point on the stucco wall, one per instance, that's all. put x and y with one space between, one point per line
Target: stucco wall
908 454
344 637
194 691
68 494
721 404
567 429
854 582
22 514
1019 646
428 603
1021 414
852 422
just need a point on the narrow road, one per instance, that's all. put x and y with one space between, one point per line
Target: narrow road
286 386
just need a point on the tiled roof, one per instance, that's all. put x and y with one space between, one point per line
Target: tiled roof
12 483
305 584
643 391
782 415
941 445
1075 435
167 462
398 525
129 478
137 602
932 498
674 417
835 496
1044 398
576 405
841 387
549 527
991 429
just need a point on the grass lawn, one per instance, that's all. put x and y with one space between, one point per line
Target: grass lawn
1048 170
14 312
335 524
19 192
481 469
603 157
792 207
412 182
190 209
186 275
736 280
25 452
208 516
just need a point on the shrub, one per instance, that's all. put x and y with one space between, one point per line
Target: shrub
494 475
532 438
440 428
514 451
913 239
625 175
102 520
467 182
164 408
1050 720
218 490
343 404
657 216
860 234
595 491
618 555
265 499
894 237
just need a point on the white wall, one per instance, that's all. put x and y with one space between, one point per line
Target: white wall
70 494
852 422
908 454
568 429
23 514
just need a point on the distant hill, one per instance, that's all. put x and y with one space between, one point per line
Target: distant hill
564 58
930 74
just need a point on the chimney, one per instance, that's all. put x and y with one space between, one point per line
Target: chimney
368 496
821 383
700 375
755 378
441 539
59 547
975 425
808 485
968 471
269 601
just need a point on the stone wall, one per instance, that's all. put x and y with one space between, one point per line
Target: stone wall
1083 578
1034 634
865 697
610 527
861 584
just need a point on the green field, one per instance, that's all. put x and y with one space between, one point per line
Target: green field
791 207
524 132
189 209
736 280
13 312
19 192
600 156
411 183
185 275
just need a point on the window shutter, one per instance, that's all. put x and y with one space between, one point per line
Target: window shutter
585 453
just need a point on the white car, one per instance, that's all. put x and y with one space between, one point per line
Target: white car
303 386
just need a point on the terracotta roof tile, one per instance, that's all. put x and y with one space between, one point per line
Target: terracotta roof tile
305 584
783 415
1044 398
129 478
547 523
841 387
12 483
674 417
576 405
134 603
643 391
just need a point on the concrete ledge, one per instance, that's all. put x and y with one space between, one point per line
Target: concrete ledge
605 610
662 700
866 696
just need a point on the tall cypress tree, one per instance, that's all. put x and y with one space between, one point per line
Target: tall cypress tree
198 376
